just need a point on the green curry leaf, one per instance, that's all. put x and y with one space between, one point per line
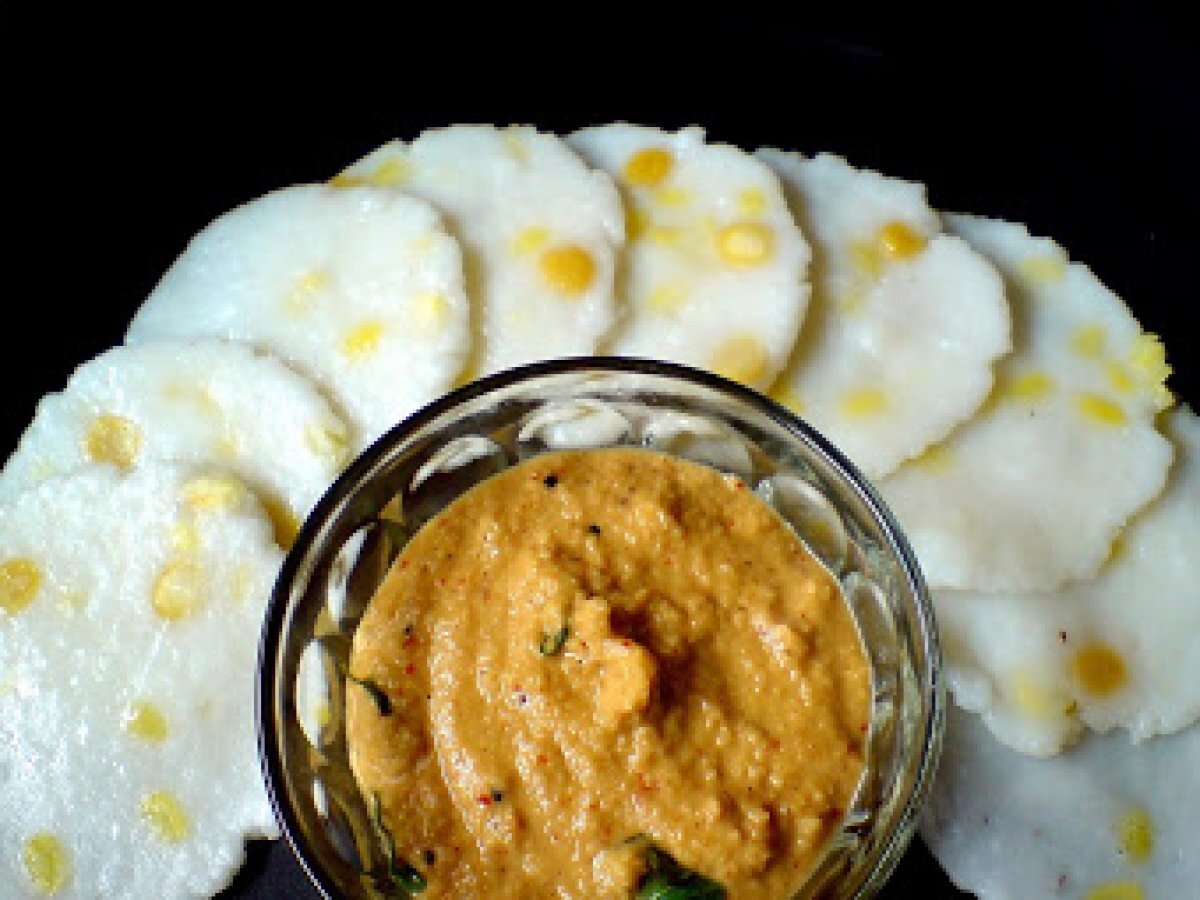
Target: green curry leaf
402 878
666 879
552 642
382 701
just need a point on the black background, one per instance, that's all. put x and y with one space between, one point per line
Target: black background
122 137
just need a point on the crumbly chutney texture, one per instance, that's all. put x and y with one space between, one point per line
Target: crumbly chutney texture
597 651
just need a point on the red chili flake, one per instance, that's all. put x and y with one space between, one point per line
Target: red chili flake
541 759
404 564
410 669
484 799
625 644
864 726
410 642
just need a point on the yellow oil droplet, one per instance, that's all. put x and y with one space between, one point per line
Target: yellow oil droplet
673 196
1148 358
144 720
751 203
1099 669
745 243
72 601
863 402
1088 341
284 525
865 259
667 298
303 292
177 590
362 340
216 493
240 583
328 442
1135 835
852 301
1043 269
348 180
664 235
1028 386
785 396
20 580
227 445
184 538
197 394
47 863
1101 410
430 311
569 269
742 358
527 240
113 439
1116 890
648 167
165 816
1031 696
313 281
391 172
1118 376
899 240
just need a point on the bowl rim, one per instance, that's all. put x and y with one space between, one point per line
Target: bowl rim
931 689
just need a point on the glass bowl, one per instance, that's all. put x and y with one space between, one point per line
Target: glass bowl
345 548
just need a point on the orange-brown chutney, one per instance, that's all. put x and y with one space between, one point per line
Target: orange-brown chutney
599 645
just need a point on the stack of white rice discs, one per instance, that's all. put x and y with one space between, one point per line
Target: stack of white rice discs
1010 407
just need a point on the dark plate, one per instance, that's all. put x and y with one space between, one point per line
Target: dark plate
123 138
